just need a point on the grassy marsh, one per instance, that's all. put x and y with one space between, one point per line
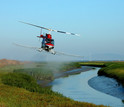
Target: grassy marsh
21 90
114 69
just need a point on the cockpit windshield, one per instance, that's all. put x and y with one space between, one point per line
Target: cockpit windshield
50 41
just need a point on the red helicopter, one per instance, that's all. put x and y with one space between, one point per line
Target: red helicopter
48 42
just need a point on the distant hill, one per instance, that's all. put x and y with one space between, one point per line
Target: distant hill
5 62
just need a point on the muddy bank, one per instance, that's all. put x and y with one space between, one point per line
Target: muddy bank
64 74
107 85
72 72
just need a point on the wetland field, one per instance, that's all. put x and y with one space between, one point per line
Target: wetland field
19 88
25 83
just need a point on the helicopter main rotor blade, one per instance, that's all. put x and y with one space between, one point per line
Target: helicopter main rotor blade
66 54
50 29
35 25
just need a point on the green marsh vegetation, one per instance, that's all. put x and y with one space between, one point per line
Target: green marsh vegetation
25 81
46 71
93 63
18 89
113 69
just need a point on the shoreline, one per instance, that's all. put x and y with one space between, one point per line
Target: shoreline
77 88
107 85
73 71
44 83
111 69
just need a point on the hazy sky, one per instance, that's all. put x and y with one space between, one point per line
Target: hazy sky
99 22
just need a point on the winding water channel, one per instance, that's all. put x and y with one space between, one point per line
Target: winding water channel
76 87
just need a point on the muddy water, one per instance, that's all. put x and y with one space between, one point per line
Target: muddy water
76 87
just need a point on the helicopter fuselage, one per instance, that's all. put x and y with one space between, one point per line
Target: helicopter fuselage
47 43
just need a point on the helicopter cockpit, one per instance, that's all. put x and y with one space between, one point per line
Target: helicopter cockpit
51 41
